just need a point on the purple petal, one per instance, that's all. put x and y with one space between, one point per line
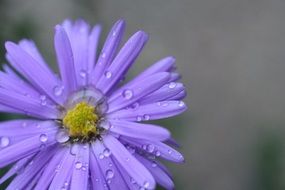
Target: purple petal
97 177
108 168
65 59
92 46
51 169
10 72
179 96
126 96
27 105
137 130
109 49
80 174
42 79
153 111
135 169
164 93
31 170
64 171
15 151
159 175
122 62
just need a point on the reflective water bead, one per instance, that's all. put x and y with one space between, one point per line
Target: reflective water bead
62 136
109 174
172 85
58 90
181 104
128 94
78 165
43 138
83 73
4 141
150 148
108 74
107 152
146 117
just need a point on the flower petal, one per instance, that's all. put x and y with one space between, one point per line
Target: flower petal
41 78
153 111
126 96
135 169
27 105
92 46
80 174
138 130
108 168
65 59
122 62
109 49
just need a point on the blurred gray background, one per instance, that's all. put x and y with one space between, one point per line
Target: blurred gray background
231 54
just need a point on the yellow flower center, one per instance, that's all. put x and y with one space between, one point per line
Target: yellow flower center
81 120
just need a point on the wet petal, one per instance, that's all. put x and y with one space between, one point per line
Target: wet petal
134 168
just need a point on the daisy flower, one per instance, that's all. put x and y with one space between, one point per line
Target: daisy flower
85 128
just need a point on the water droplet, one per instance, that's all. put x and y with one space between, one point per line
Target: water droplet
24 124
135 106
109 181
101 156
114 33
74 149
78 165
108 74
109 174
110 164
128 94
139 118
127 159
146 117
83 73
43 100
66 184
133 180
150 148
43 138
146 184
62 136
181 104
164 104
4 141
169 151
105 124
58 90
153 164
103 55
172 85
107 152
157 153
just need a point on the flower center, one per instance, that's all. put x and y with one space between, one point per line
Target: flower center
81 121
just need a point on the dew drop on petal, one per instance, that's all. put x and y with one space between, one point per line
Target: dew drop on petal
157 153
62 136
101 156
78 165
109 174
43 100
139 118
43 138
58 90
146 184
128 94
83 73
107 152
103 55
181 104
150 148
108 74
153 164
146 117
172 85
4 141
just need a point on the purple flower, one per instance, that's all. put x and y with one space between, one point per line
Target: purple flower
87 129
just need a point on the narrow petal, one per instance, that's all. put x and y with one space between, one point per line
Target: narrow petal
159 149
15 151
122 62
179 96
153 111
51 169
27 105
35 166
65 59
97 177
80 174
159 175
108 168
37 75
137 130
64 171
109 49
135 169
92 46
164 93
127 96
10 71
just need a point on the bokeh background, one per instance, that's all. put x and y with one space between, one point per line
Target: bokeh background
231 54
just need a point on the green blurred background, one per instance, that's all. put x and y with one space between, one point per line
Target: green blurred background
231 54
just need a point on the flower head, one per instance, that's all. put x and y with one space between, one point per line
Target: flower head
86 128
